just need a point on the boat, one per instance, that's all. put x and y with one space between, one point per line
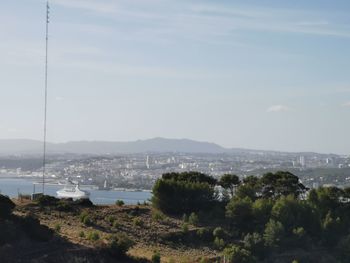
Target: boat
73 191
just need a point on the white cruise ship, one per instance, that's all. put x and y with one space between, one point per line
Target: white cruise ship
71 190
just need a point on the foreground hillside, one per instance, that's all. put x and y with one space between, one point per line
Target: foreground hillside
273 218
85 232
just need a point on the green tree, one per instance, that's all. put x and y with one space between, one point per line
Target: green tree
254 243
179 193
236 254
274 185
262 212
274 234
230 182
241 213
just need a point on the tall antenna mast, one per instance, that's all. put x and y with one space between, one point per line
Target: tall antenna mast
46 82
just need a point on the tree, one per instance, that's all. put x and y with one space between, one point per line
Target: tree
273 234
255 244
326 199
230 182
240 211
262 212
274 185
250 187
174 194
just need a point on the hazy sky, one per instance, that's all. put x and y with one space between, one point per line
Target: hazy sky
254 74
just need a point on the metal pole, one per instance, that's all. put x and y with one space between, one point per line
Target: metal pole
46 82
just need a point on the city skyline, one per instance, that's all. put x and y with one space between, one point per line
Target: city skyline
270 76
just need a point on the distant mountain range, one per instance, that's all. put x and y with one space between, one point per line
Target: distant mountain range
155 145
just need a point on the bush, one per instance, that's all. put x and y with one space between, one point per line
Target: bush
85 202
236 254
137 221
120 244
58 228
204 234
85 219
156 257
111 220
116 224
93 236
193 219
6 206
158 216
81 234
219 243
119 202
185 228
185 218
47 200
218 232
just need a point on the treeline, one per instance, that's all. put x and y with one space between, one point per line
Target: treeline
259 218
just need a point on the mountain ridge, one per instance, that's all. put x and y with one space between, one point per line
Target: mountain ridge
156 145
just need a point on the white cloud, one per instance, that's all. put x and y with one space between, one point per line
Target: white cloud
347 104
278 108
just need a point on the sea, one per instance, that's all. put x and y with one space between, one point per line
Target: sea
12 187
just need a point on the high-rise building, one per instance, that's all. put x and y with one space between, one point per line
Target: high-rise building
302 161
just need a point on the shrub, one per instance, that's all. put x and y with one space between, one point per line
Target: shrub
184 228
185 218
47 200
218 232
204 234
119 202
85 219
58 228
93 236
156 257
81 234
204 260
111 219
137 221
85 202
120 244
235 254
219 243
6 206
193 219
116 224
158 216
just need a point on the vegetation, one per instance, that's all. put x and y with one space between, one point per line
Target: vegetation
269 215
272 218
119 202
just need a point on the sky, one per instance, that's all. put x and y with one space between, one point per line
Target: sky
252 74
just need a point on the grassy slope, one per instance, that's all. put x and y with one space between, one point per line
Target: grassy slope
135 221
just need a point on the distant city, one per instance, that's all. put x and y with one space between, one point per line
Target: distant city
139 171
